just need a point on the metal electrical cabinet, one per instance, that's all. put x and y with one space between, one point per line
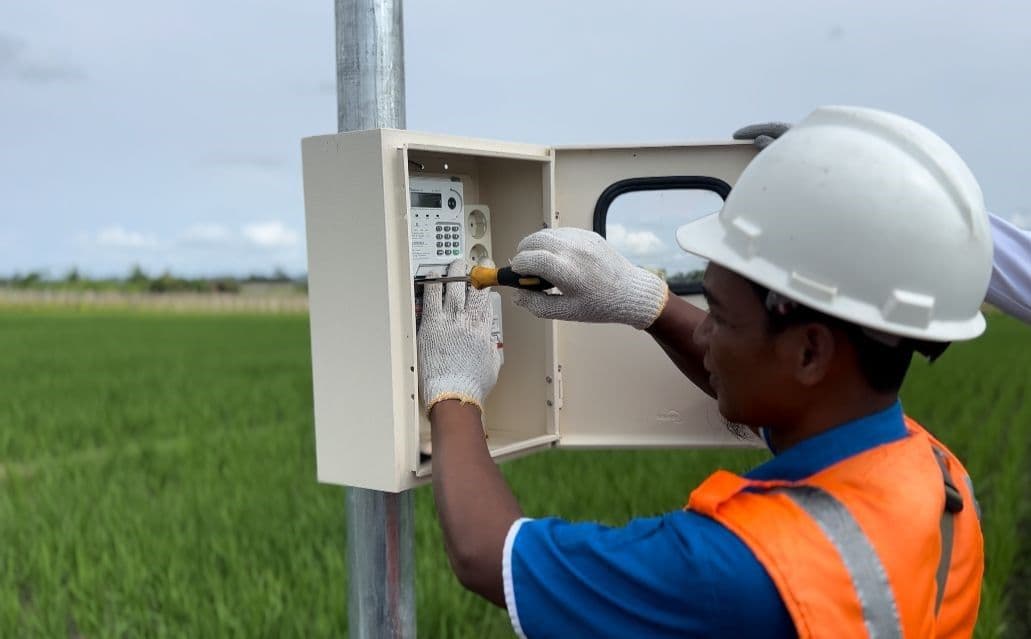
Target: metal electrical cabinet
562 384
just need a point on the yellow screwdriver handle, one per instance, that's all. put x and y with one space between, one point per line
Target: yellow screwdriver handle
484 276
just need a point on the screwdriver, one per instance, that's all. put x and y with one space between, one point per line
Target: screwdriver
483 276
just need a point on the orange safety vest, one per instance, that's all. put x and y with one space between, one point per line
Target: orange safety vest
884 544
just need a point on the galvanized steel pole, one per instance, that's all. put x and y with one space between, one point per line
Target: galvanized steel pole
380 526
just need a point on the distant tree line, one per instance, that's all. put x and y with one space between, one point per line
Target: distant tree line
680 279
138 281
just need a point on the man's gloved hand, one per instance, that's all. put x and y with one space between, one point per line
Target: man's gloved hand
762 135
458 359
597 283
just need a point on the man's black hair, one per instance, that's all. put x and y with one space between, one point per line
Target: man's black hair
884 366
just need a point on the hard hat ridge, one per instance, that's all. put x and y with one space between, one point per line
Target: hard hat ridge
941 160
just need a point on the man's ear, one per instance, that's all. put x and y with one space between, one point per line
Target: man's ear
814 348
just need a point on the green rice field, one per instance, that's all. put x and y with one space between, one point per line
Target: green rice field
157 479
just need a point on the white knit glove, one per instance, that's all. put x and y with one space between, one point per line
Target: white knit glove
458 359
597 283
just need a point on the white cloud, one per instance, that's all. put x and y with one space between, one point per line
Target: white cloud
633 243
118 237
10 49
35 71
207 234
270 235
50 73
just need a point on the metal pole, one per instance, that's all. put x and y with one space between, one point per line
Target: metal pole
370 65
380 526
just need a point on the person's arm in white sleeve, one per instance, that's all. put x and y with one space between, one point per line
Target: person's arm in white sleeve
1010 287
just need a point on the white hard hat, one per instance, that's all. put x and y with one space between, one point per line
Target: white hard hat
865 216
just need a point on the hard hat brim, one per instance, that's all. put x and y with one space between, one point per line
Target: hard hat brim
706 237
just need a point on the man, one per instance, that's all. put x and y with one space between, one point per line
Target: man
856 240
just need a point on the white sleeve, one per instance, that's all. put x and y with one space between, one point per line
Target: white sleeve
1010 287
506 571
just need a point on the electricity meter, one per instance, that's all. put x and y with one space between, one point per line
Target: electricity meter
440 223
437 223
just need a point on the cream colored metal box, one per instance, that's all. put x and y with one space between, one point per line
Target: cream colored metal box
562 384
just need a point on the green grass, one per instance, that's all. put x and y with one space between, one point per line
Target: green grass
157 480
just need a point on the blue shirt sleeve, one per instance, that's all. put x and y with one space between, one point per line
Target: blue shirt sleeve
678 575
1010 287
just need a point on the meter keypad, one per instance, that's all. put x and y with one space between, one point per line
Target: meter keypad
450 234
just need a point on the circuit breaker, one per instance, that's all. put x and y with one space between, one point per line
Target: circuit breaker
386 208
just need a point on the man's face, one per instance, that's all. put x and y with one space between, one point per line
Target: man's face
750 380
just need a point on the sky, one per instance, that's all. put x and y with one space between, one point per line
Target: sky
168 134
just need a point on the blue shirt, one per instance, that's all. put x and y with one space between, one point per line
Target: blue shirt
678 575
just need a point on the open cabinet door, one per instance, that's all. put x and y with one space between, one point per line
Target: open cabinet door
618 388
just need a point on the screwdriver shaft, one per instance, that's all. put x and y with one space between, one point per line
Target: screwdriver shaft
481 277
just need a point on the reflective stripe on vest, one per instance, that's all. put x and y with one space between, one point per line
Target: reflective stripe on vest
953 505
880 614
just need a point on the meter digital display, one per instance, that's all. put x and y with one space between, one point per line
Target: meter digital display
426 200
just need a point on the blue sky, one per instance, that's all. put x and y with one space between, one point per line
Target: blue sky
167 134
